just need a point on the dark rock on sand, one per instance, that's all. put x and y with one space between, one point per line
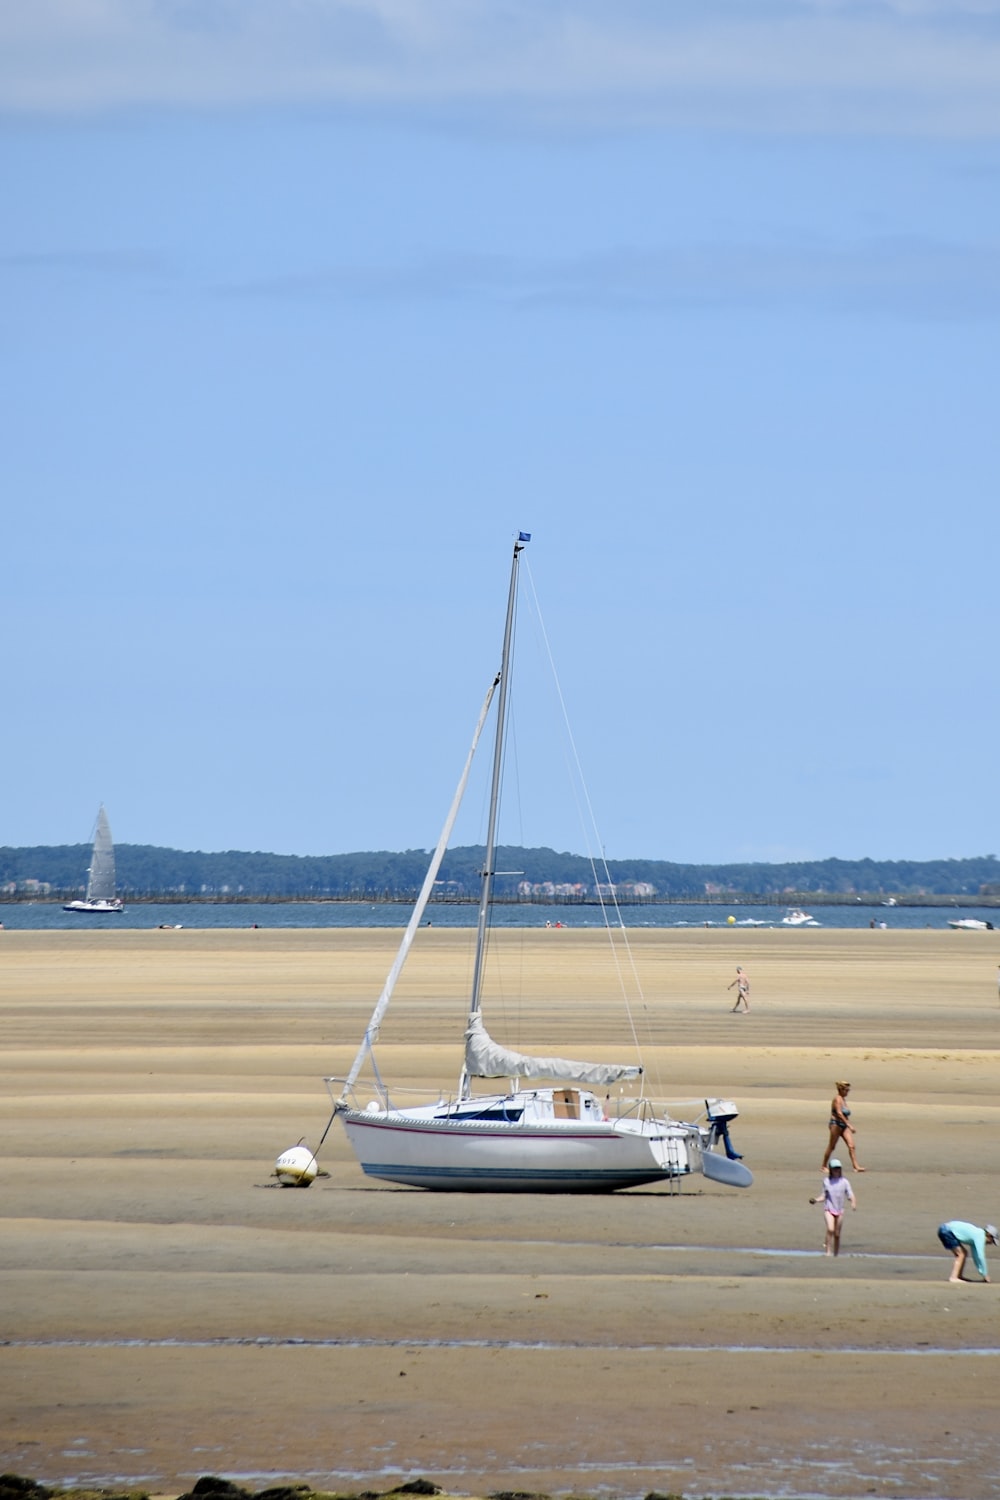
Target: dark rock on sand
300 1491
219 1489
17 1487
14 1487
517 1495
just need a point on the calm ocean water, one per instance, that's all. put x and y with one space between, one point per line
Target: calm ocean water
43 916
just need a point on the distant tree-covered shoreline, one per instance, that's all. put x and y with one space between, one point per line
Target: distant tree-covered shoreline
149 873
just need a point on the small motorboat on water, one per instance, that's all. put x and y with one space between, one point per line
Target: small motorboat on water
794 917
971 924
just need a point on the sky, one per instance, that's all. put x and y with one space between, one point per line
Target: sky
308 308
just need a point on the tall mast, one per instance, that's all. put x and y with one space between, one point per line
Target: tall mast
486 890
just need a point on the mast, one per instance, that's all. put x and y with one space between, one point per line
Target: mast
488 871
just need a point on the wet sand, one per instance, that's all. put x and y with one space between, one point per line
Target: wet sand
169 1312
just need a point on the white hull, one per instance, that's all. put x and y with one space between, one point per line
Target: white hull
971 924
101 908
419 1148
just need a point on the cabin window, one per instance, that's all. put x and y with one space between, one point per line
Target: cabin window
496 1113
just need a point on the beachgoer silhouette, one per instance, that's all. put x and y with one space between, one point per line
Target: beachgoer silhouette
963 1240
742 984
841 1128
837 1192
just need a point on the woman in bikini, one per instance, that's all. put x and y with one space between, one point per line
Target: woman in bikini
841 1128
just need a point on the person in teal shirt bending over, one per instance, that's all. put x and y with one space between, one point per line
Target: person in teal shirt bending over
964 1239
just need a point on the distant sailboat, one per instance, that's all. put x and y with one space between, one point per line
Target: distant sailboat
102 896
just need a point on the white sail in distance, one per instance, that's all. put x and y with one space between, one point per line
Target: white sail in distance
101 875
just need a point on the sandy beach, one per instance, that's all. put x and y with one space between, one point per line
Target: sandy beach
170 1312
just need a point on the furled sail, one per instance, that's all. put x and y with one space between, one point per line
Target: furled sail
485 1058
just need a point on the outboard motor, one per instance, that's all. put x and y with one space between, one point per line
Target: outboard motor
720 1112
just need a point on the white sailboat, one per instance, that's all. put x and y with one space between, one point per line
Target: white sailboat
544 1129
102 898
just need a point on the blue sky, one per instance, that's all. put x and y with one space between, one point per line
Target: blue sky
309 307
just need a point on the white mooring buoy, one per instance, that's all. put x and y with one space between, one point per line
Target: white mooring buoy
296 1167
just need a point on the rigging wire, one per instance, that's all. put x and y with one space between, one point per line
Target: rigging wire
589 829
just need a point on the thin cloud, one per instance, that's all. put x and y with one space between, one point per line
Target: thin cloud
903 278
102 263
839 66
910 278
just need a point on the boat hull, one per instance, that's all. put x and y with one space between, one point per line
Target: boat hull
96 908
558 1156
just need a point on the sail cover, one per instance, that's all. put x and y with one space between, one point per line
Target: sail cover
101 875
485 1058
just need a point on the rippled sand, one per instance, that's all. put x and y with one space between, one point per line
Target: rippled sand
168 1312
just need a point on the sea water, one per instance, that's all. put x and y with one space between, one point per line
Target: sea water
48 916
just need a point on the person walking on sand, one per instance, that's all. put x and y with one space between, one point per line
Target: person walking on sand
837 1193
841 1128
742 984
964 1239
